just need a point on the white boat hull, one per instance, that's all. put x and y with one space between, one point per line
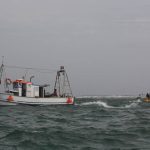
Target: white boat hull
7 99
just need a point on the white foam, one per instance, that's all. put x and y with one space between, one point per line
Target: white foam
105 105
139 101
130 105
133 104
99 103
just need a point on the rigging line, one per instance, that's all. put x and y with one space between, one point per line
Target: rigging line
1 69
2 59
28 68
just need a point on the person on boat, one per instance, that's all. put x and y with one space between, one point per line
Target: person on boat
54 93
147 95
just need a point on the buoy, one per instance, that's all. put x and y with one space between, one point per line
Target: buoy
69 100
10 98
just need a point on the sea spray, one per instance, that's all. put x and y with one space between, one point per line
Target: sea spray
99 103
134 103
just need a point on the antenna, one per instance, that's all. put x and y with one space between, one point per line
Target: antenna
2 60
1 69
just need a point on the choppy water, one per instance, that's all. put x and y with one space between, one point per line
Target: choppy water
93 123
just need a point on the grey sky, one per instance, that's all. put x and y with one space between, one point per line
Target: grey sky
104 44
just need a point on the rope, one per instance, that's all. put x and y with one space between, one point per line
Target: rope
41 70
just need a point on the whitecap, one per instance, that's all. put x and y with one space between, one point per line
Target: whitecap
105 105
99 103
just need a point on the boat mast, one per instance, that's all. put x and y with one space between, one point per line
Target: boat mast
68 85
57 83
62 83
1 69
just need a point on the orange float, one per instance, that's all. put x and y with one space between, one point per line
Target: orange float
10 98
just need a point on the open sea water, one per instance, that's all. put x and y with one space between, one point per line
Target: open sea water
93 123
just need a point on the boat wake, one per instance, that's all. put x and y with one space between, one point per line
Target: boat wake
105 105
99 103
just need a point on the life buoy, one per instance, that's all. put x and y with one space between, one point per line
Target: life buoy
69 100
8 81
10 98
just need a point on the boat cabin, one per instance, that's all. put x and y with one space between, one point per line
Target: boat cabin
27 89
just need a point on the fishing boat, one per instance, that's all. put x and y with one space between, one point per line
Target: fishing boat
146 99
23 91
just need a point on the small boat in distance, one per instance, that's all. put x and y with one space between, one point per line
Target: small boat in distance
146 99
22 91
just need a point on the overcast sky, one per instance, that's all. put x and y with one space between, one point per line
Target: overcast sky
104 44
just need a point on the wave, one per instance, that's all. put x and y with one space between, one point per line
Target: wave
105 105
99 103
133 104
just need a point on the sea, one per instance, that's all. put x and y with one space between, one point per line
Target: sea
92 123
